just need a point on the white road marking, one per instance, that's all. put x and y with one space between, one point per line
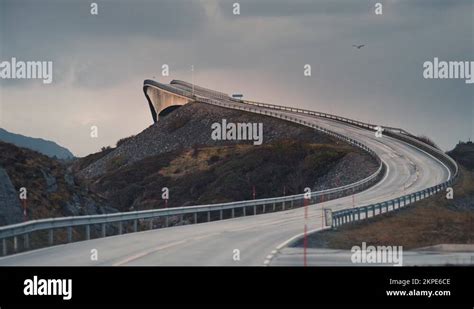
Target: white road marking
145 253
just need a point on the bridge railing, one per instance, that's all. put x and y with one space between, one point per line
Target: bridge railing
344 216
214 93
397 133
147 217
192 214
324 115
168 88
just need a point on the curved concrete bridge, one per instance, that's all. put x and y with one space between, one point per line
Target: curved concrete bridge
163 98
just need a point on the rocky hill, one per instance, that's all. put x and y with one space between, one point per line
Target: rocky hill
51 188
188 127
463 153
179 154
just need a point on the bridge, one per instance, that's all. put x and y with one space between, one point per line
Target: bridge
409 170
163 98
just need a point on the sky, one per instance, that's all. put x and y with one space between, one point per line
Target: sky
100 62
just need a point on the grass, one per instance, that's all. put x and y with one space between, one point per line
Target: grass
433 221
115 163
203 175
82 163
192 160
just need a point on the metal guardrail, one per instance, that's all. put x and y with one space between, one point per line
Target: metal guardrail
270 204
264 205
281 203
214 93
397 133
364 212
324 115
344 216
168 88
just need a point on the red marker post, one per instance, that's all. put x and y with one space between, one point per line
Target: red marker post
322 211
25 210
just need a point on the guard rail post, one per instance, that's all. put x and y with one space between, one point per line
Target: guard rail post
88 232
69 234
51 236
26 241
4 247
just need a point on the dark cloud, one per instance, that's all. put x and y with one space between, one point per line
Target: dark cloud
261 53
50 27
56 19
66 33
285 8
333 8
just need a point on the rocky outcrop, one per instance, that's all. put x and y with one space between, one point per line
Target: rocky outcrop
351 168
10 208
52 190
190 126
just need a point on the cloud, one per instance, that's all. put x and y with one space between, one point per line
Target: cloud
284 8
66 33
102 60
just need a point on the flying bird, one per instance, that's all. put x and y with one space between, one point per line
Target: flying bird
358 46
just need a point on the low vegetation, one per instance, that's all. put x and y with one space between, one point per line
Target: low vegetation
436 220
202 175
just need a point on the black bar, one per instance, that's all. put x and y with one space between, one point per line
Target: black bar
328 286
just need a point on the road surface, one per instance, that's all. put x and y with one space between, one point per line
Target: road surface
255 237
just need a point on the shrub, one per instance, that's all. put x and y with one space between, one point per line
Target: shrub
213 159
123 140
115 163
427 140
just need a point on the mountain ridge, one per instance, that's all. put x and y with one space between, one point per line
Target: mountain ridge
46 147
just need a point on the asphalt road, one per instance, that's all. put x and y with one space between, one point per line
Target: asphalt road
255 237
